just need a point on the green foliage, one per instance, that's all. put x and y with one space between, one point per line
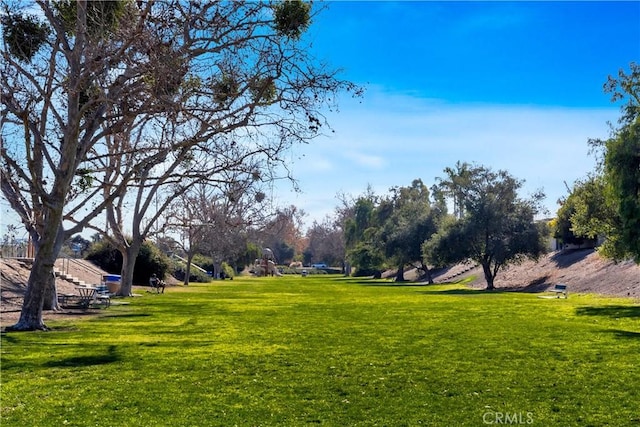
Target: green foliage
263 90
622 172
497 227
359 231
169 74
456 184
84 179
23 35
588 209
227 270
446 246
359 221
616 213
585 213
203 261
195 274
102 16
292 351
248 256
150 260
105 256
283 252
366 258
389 231
292 18
227 88
408 224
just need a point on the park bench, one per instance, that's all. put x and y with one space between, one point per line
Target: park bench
103 296
560 289
157 284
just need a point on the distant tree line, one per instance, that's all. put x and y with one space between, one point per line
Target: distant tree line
491 224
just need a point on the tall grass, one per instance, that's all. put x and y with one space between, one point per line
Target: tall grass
327 350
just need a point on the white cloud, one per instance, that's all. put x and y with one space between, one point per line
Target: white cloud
391 139
369 161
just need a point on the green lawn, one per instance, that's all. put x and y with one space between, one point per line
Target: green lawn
289 351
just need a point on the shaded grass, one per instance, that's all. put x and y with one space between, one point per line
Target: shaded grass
331 351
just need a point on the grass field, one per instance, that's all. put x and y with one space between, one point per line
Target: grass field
291 351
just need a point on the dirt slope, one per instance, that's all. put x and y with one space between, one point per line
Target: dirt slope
14 274
584 271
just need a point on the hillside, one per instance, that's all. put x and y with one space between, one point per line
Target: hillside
14 274
584 271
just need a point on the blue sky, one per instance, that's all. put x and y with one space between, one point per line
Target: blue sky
510 85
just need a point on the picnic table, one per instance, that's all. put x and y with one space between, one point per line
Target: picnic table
86 296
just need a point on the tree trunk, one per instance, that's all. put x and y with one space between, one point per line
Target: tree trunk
129 257
41 273
217 270
187 273
400 273
488 276
427 271
51 295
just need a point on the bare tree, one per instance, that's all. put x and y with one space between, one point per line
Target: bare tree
282 233
325 242
156 84
212 220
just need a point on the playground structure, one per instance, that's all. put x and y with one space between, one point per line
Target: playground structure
266 265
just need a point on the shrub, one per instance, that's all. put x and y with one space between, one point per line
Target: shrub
227 270
149 260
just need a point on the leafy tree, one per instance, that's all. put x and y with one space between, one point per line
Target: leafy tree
157 84
583 212
611 206
409 222
367 258
249 253
360 228
455 185
622 161
497 227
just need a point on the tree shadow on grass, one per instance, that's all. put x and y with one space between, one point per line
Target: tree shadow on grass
127 315
463 291
393 284
613 311
377 282
625 334
110 356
